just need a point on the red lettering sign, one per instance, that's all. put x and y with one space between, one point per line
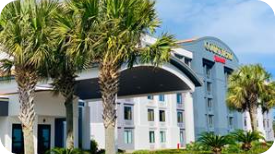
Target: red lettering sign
219 59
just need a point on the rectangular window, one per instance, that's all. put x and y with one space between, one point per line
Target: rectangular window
187 61
208 71
264 123
181 137
209 104
245 122
162 137
208 87
179 98
161 98
180 117
230 121
152 137
151 97
128 113
17 139
128 136
151 116
210 121
162 116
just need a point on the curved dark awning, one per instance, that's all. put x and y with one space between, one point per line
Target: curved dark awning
145 79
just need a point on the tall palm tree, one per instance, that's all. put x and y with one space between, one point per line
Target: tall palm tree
123 23
24 38
248 89
73 24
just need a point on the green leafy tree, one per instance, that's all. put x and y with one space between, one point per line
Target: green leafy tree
24 39
123 24
71 33
248 89
215 142
246 138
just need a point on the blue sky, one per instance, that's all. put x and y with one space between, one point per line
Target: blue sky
247 26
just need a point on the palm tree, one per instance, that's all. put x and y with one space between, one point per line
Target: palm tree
246 138
248 89
216 142
74 22
118 41
24 38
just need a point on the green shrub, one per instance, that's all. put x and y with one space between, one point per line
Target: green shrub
246 138
141 152
196 146
94 147
65 151
215 142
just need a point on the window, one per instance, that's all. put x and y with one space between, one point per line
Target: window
151 116
128 113
210 121
151 97
17 139
162 116
245 122
152 137
179 98
161 98
208 87
208 71
128 136
230 121
162 137
180 117
209 104
187 61
227 75
264 123
181 137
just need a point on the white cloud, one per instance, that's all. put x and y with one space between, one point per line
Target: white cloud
248 27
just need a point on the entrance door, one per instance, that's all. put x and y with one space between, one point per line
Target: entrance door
44 138
17 139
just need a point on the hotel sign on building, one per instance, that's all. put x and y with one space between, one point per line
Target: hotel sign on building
211 47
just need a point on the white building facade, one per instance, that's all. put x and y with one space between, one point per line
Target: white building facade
264 121
152 122
172 77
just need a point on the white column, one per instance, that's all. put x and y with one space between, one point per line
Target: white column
189 118
75 122
35 134
7 141
260 119
86 139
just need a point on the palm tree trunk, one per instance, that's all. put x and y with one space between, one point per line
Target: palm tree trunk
253 117
26 86
66 85
69 123
109 82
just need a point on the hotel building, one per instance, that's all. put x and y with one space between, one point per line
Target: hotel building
162 121
157 108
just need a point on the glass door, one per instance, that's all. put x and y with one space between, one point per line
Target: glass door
44 138
17 139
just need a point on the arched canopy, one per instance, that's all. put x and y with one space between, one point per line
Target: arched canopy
145 79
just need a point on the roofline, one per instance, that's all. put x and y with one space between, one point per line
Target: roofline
208 37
